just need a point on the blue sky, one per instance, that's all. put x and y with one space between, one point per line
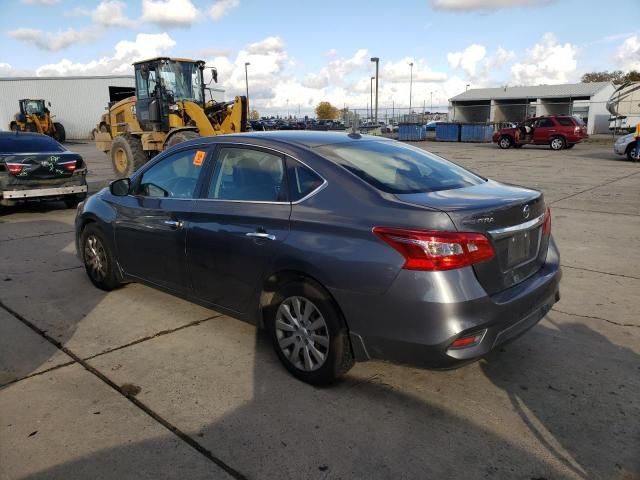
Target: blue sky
304 51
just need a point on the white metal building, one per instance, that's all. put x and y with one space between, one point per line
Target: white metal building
514 104
76 102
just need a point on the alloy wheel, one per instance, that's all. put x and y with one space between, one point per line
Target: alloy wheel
557 143
95 258
505 142
302 333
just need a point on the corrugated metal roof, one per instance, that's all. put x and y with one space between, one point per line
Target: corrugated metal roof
92 77
537 91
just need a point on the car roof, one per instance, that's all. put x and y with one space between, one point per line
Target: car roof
301 138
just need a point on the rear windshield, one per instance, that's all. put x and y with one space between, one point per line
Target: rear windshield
28 144
398 168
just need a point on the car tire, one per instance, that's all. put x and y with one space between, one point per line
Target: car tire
127 155
631 152
557 143
98 259
310 338
505 142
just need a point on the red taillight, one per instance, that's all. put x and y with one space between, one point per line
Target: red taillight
15 168
546 226
468 341
435 250
69 166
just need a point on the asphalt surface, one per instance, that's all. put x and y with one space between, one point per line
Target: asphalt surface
140 384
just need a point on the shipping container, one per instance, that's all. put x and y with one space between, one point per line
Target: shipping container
411 132
470 132
448 132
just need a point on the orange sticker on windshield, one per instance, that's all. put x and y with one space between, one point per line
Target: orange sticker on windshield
198 158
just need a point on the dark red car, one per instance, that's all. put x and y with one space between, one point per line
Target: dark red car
556 131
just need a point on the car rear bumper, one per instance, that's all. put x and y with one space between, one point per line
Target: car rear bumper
15 190
418 318
43 192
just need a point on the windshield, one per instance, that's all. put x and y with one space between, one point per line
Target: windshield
33 106
181 81
396 168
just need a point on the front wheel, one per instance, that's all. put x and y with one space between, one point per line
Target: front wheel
557 143
127 155
632 153
505 142
308 333
98 259
60 135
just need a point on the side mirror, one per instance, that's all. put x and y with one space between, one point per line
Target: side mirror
120 187
49 103
214 74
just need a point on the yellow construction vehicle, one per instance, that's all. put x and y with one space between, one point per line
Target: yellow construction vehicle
169 107
34 116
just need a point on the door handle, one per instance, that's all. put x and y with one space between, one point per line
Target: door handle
268 236
172 223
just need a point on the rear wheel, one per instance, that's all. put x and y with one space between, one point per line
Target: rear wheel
60 135
557 143
127 155
180 137
308 333
98 259
505 142
632 152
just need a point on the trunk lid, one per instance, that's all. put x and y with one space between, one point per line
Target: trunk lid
510 216
41 166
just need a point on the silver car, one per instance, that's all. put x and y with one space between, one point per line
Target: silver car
626 145
344 247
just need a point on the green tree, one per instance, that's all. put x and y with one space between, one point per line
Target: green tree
616 76
254 115
326 111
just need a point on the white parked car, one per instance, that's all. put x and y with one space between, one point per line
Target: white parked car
626 145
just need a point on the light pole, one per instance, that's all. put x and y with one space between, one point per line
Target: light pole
467 87
410 86
246 83
287 108
377 61
371 98
431 107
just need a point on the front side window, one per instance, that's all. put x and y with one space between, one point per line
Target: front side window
248 174
176 176
397 168
545 123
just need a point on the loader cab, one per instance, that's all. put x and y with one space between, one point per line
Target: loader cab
32 107
161 83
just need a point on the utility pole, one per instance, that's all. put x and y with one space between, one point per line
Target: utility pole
371 97
246 82
410 86
467 87
377 61
431 107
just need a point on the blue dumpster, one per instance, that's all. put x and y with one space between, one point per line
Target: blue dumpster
476 132
448 132
410 132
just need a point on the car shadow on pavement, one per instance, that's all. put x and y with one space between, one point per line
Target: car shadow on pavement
577 393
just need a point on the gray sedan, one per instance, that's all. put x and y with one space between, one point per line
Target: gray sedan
343 247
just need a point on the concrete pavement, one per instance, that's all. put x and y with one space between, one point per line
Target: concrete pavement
183 392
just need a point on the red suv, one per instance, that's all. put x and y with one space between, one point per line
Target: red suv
556 131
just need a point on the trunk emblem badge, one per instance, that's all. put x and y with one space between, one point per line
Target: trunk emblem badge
526 212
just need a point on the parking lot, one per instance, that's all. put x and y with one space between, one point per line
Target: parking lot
139 384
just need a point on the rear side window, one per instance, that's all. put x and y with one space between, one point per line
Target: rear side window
16 143
565 122
397 168
302 180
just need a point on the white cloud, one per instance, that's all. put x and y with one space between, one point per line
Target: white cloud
39 2
6 70
125 53
54 41
221 7
465 5
628 54
110 13
467 59
170 13
547 62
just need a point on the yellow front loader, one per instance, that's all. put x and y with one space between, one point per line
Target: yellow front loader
35 117
169 107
